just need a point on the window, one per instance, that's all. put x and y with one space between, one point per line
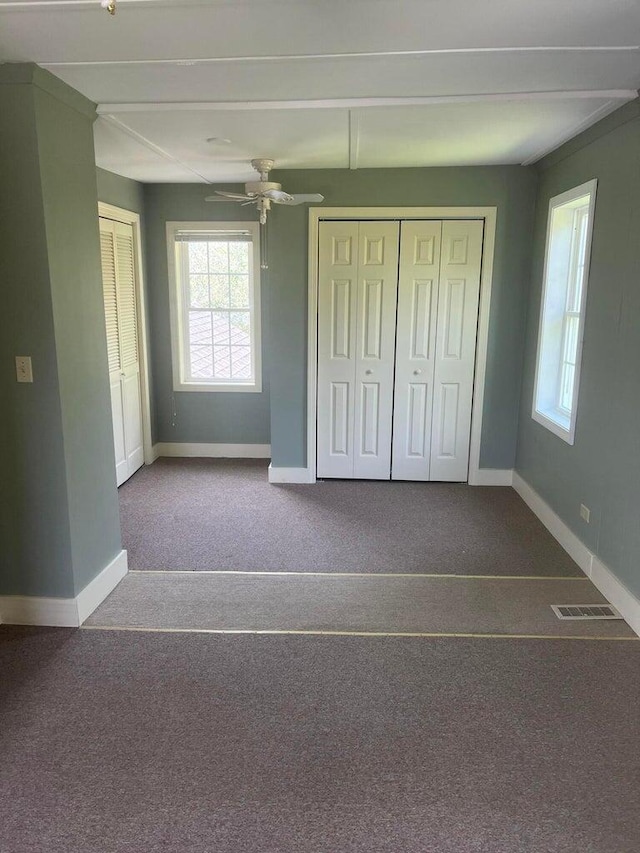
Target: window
566 273
215 305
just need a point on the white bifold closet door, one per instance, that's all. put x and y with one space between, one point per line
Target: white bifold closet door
438 294
356 348
397 325
119 288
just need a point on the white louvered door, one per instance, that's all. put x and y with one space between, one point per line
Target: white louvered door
396 348
119 286
356 343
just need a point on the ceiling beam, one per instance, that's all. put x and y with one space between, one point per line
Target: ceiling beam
360 103
378 54
354 139
129 131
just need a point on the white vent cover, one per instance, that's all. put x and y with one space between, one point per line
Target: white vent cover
585 611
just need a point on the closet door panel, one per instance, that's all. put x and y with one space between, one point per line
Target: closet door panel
119 290
458 299
415 348
337 305
375 348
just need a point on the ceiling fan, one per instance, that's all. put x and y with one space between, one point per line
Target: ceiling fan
263 192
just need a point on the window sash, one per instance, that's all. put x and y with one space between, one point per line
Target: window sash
566 269
215 318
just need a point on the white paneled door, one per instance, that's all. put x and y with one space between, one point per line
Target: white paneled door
119 287
356 348
397 322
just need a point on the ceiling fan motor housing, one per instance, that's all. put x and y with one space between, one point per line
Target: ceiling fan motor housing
259 187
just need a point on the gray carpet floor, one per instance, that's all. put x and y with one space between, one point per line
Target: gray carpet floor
367 603
204 514
154 743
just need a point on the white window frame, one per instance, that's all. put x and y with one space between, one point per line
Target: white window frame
177 309
556 418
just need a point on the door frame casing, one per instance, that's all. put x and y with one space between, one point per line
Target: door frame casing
489 216
128 217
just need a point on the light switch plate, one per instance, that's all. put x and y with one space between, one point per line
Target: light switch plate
24 371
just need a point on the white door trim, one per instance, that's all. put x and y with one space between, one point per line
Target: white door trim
109 211
489 215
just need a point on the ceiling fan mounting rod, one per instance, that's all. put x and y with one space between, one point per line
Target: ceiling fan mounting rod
263 165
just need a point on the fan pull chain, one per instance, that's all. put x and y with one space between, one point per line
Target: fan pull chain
264 257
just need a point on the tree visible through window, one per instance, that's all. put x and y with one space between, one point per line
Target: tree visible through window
216 296
562 316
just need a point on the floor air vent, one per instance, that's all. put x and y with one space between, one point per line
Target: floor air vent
585 611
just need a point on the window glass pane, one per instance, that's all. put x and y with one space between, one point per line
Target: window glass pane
201 362
239 257
222 362
566 389
220 328
199 291
197 257
239 291
219 291
199 327
241 362
218 257
213 280
240 322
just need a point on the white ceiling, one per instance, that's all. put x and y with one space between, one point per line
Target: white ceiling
330 83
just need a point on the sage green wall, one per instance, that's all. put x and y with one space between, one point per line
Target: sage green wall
509 188
227 418
62 522
35 542
602 468
120 192
280 412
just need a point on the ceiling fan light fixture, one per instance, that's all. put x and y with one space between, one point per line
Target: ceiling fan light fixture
263 194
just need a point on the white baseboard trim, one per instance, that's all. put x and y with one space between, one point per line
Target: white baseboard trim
290 475
492 477
64 612
36 610
574 547
213 451
101 586
616 593
600 574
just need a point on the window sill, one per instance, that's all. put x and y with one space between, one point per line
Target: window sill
210 387
556 422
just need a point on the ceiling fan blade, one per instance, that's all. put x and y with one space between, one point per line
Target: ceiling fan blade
300 198
219 198
234 196
279 196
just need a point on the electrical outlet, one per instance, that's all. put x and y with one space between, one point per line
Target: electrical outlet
24 371
585 513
